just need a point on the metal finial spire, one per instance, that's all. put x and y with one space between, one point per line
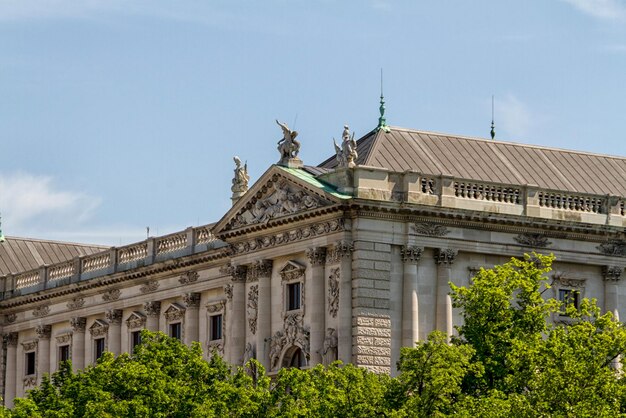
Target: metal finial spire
382 122
493 126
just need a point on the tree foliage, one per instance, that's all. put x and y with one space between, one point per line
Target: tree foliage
518 353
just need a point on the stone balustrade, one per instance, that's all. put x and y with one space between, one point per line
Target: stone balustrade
116 259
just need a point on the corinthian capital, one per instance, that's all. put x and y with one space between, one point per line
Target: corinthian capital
411 254
316 256
611 273
43 332
445 256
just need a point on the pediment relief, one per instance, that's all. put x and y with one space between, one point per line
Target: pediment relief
98 328
174 312
136 320
292 271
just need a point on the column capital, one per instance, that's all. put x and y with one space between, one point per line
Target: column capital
78 324
43 332
152 308
10 339
611 273
411 254
316 256
191 300
260 268
114 316
237 273
445 256
338 250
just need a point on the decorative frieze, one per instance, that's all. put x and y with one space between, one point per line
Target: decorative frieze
10 318
333 291
191 300
316 256
294 333
43 331
445 256
338 251
411 254
149 286
64 338
111 295
99 328
237 273
612 273
252 307
114 316
228 291
189 277
10 339
78 324
41 311
152 308
430 229
292 271
136 320
260 268
613 247
76 303
532 240
294 235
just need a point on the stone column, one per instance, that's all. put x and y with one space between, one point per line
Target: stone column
153 311
192 303
236 313
43 350
78 325
10 380
410 310
611 276
315 309
262 270
114 318
444 259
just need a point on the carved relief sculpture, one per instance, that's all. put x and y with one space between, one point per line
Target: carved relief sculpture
136 320
110 295
533 240
339 250
76 303
613 247
612 273
64 338
189 277
191 300
248 353
346 154
152 308
329 352
561 278
252 307
10 318
228 291
114 316
78 324
43 331
99 328
411 254
292 271
175 312
149 286
333 292
430 229
41 311
260 268
295 333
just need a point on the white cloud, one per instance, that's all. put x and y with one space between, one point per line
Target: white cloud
603 9
513 117
28 201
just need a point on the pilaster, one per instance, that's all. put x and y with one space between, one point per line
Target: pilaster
43 350
78 325
444 258
10 381
411 256
153 312
262 271
191 301
114 318
315 288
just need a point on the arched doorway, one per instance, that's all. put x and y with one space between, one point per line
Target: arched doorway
294 357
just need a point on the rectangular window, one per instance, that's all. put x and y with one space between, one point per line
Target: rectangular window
64 353
98 348
175 331
30 363
568 297
216 327
135 339
293 296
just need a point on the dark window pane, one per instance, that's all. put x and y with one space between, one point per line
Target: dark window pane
293 296
175 331
30 363
216 327
64 353
135 339
98 348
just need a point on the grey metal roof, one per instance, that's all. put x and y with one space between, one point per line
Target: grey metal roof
493 161
23 254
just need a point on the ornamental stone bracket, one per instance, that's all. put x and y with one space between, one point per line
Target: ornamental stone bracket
333 291
445 256
411 254
612 273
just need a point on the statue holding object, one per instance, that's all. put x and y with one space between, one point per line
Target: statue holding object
288 147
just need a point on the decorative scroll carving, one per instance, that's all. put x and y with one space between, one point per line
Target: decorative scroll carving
533 240
288 237
329 352
214 307
292 271
149 286
613 247
411 254
346 154
152 308
445 255
237 273
430 229
295 333
248 353
191 300
64 338
10 318
29 346
561 278
189 277
10 339
175 312
316 256
611 273
76 303
99 328
41 311
43 331
78 324
136 320
253 307
111 295
114 316
260 268
240 179
30 382
339 250
333 291
228 291
288 147
215 347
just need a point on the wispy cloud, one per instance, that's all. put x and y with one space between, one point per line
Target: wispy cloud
29 201
602 9
513 117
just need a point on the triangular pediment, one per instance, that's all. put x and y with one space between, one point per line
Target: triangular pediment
279 194
292 270
136 320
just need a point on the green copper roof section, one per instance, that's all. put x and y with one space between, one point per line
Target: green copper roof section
309 178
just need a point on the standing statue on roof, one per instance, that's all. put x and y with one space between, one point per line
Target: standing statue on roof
288 146
240 179
346 153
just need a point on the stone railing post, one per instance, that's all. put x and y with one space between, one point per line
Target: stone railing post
446 191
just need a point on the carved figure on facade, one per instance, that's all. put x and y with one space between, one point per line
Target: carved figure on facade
333 291
228 291
76 303
288 147
411 254
285 200
613 247
240 179
136 320
149 286
612 273
111 295
189 277
78 324
294 333
533 240
252 308
174 312
248 353
346 154
41 311
43 331
337 251
99 328
445 256
152 308
329 350
10 318
430 229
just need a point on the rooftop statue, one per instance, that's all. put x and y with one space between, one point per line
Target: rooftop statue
288 147
240 179
346 153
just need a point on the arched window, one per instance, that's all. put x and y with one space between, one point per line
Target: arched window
296 358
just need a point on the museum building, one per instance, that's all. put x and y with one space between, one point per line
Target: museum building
350 259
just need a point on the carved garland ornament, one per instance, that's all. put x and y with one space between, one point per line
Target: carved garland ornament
295 333
149 286
613 247
333 291
64 338
111 295
76 303
41 311
189 277
10 318
228 291
533 240
215 307
430 229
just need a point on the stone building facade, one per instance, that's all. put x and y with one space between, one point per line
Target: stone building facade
347 260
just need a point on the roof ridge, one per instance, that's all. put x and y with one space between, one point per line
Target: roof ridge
49 241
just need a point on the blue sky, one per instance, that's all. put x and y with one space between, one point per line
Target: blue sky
121 114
